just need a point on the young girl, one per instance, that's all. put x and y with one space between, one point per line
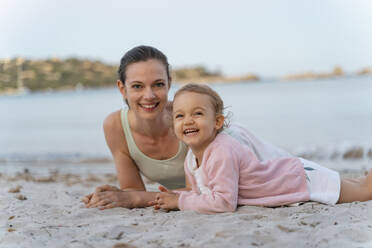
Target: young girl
224 173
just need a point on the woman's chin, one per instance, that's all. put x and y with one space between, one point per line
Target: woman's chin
150 115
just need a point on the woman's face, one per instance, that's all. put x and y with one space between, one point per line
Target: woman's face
146 88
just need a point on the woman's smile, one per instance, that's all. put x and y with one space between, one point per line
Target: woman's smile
146 88
149 107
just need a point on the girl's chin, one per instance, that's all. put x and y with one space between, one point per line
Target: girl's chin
192 146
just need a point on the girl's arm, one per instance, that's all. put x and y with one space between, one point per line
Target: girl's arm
222 174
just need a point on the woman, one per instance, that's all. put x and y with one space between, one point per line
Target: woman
141 139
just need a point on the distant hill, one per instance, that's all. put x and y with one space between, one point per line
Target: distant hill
19 75
55 74
200 74
61 74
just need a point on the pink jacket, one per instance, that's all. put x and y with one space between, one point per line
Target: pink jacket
235 176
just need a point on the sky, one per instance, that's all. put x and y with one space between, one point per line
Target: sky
263 37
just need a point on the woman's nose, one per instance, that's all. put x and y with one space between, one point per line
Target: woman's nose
149 93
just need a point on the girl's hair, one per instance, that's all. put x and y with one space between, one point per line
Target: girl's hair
213 95
141 53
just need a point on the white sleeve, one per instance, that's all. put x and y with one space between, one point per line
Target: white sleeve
262 149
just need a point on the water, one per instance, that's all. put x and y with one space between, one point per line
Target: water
321 119
298 116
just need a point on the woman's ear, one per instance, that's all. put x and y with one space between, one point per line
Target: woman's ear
122 89
169 82
219 121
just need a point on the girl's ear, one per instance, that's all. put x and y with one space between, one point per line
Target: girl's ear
122 89
219 121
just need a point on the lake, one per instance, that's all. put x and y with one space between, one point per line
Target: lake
322 119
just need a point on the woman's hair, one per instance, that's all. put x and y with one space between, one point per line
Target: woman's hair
141 53
216 100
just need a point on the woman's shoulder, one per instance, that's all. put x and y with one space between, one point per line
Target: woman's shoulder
112 121
114 134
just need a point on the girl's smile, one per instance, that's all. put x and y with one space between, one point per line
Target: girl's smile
195 121
191 131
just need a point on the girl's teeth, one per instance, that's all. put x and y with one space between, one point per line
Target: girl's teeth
188 131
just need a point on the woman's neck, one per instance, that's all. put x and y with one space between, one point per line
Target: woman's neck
151 128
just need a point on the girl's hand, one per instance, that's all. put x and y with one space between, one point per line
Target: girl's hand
166 200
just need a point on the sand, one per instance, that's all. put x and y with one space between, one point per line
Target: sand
45 211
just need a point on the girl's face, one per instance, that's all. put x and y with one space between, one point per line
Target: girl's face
146 88
194 119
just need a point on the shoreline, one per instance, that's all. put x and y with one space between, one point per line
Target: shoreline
209 80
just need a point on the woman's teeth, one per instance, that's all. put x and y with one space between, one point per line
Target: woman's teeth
148 106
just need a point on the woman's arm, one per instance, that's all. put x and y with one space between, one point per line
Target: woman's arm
132 192
127 171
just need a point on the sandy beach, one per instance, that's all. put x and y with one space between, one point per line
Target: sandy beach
44 209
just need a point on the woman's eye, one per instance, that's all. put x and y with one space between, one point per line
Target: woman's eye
136 86
160 84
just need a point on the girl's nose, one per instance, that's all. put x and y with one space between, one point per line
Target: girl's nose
189 120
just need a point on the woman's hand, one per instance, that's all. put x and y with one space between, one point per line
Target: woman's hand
111 199
165 200
86 199
108 196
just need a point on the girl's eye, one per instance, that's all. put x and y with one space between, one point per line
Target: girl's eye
178 116
198 113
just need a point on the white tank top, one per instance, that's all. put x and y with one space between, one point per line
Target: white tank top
168 172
